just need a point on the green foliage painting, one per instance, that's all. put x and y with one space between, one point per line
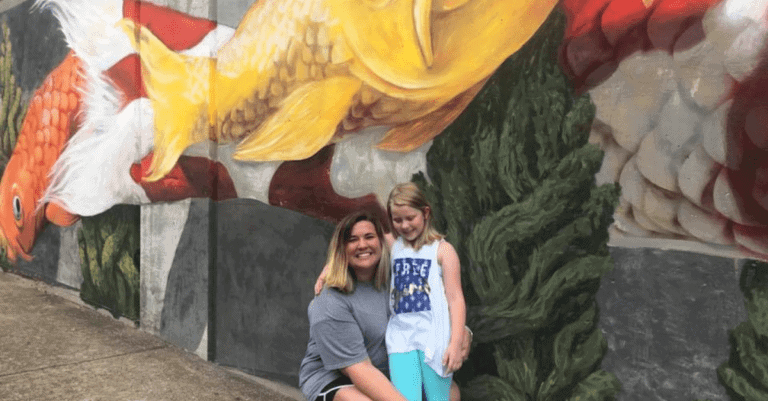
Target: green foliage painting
512 185
109 259
745 374
11 112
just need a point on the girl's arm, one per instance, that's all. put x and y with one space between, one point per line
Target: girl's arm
371 382
449 260
321 280
390 239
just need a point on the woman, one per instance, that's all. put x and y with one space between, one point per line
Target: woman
346 357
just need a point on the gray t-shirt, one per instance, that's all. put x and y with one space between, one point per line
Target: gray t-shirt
344 329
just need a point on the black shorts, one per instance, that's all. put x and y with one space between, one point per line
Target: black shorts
329 391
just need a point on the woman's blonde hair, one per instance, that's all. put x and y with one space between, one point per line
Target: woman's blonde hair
340 275
408 194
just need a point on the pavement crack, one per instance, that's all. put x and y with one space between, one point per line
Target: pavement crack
82 362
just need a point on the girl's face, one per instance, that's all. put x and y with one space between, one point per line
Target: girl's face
408 221
363 248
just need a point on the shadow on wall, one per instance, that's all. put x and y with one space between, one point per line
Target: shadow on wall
267 261
184 316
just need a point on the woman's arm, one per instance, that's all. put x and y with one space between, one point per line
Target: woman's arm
449 261
371 382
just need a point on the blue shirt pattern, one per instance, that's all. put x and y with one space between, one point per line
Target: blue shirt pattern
411 289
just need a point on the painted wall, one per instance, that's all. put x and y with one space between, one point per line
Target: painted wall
112 185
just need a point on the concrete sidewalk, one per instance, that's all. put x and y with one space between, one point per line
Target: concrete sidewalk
54 347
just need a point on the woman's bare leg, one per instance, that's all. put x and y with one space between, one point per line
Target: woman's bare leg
350 393
353 394
455 394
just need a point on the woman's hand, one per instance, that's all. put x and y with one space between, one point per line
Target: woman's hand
466 343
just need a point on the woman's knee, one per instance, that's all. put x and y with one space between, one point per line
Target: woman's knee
350 394
455 393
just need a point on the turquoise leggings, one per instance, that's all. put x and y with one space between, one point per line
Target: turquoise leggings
408 372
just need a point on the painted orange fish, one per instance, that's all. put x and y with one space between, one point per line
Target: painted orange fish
47 127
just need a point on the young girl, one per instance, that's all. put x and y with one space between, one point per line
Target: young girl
425 331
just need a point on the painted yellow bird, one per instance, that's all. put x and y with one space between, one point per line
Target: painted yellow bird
297 74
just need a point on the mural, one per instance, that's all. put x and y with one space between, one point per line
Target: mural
677 111
541 138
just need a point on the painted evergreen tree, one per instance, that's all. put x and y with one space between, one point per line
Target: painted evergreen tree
12 112
109 260
512 187
745 374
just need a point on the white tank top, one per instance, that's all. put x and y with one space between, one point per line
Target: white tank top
420 319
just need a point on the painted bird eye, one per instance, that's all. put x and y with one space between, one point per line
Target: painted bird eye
16 208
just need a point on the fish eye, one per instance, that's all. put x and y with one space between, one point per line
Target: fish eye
16 208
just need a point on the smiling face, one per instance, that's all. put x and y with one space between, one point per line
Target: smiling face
408 221
363 249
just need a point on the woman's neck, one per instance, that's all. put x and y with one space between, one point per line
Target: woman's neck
364 276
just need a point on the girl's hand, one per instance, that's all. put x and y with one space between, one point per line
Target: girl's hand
321 280
453 358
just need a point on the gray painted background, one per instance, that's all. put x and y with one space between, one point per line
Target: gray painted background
267 261
666 316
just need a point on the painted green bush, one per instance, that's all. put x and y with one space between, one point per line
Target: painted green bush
11 111
512 186
109 260
745 374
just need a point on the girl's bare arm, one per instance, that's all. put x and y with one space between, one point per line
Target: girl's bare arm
449 261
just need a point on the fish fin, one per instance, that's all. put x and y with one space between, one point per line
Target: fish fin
409 136
58 215
177 86
305 122
422 18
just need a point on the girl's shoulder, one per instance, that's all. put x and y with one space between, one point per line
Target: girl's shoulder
445 249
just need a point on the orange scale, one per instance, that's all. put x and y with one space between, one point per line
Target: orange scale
54 117
64 122
59 137
57 81
37 103
64 102
48 84
39 136
56 99
47 100
30 124
73 100
50 158
45 117
46 135
37 155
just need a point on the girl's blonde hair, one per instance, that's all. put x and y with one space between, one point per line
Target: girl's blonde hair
340 274
408 194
